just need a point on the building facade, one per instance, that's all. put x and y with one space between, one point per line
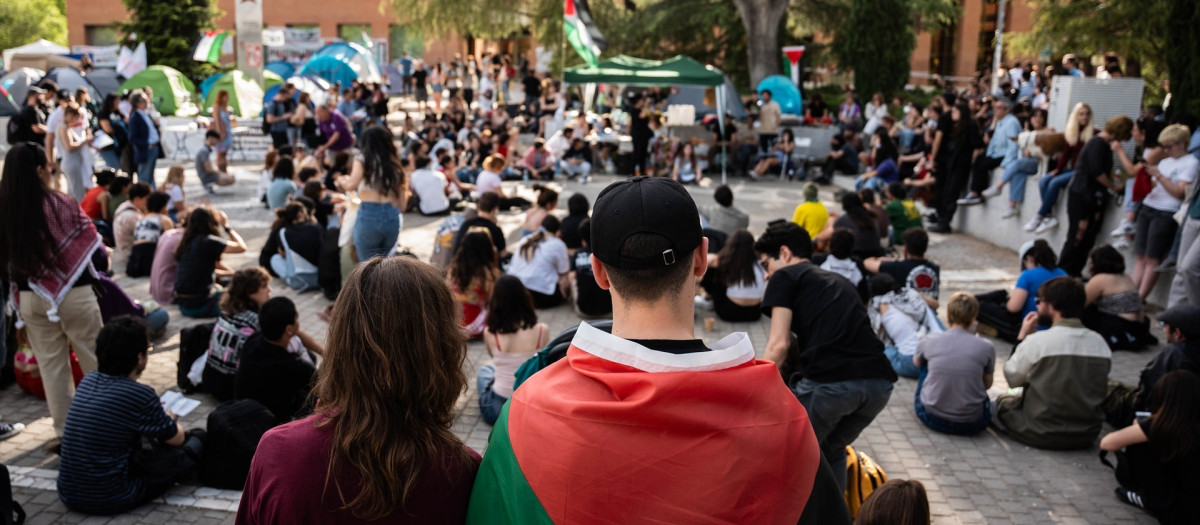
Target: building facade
960 50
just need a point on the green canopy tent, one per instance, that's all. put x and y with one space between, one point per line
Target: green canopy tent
245 96
271 79
173 92
680 71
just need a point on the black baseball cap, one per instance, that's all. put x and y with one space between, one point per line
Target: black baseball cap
64 94
648 206
1185 318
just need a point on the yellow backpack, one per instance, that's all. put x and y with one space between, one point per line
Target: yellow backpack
863 476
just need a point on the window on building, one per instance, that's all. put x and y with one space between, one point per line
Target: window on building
941 51
357 33
405 38
100 35
987 34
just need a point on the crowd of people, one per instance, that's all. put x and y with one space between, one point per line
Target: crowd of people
850 297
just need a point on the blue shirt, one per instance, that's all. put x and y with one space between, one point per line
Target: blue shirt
152 136
279 191
406 67
107 419
1032 279
1004 143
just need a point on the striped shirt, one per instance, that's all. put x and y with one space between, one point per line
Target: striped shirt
107 418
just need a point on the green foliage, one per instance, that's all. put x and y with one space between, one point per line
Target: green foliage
492 19
170 31
24 21
875 46
1182 43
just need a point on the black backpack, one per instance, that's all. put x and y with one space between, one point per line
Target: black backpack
234 430
14 130
10 512
555 350
193 342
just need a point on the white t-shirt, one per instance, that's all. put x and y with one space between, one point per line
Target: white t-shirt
1181 171
174 192
487 181
755 291
53 122
540 273
430 187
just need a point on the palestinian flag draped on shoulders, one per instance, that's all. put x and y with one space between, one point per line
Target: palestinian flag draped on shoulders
618 433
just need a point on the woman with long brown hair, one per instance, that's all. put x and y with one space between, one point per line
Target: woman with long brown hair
379 445
199 255
471 275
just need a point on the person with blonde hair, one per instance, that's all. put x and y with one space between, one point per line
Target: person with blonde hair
173 187
379 445
956 371
1078 131
1156 224
489 182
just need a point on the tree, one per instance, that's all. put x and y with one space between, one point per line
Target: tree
875 46
24 21
1182 42
762 20
170 31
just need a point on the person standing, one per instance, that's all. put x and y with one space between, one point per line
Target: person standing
223 124
768 122
278 116
76 139
145 138
640 133
31 121
383 190
1088 193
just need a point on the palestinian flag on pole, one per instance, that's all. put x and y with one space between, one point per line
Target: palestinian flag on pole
617 433
208 49
582 32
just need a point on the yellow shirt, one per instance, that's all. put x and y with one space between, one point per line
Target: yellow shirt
812 216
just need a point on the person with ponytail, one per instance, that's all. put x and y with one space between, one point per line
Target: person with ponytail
540 261
299 240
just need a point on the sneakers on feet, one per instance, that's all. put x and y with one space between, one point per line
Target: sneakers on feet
1049 223
1125 228
992 191
1011 212
1166 266
970 200
1122 244
1033 223
938 228
8 430
1130 497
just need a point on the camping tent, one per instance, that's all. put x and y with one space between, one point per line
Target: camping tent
316 87
71 80
17 82
8 106
105 80
173 92
208 82
271 79
332 69
40 50
356 56
245 97
281 68
783 92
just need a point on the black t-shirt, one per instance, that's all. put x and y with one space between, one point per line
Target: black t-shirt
305 239
639 126
480 222
29 117
589 296
673 346
920 275
271 375
715 128
945 126
322 211
419 79
195 273
570 231
1095 160
818 109
585 154
835 337
533 86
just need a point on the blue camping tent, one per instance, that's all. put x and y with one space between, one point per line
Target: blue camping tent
358 57
208 83
316 87
783 92
281 68
332 69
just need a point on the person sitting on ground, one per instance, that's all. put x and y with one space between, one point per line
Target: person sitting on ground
957 368
901 212
650 255
686 167
324 201
1161 452
862 222
484 219
539 161
1115 311
282 188
577 160
103 468
901 318
267 371
842 261
206 168
472 274
162 271
1181 324
842 158
299 240
837 355
118 193
199 255
724 216
489 181
146 234
173 187
1003 310
1064 372
577 212
125 222
540 261
375 452
871 202
248 290
430 189
885 170
547 202
897 502
95 200
913 270
811 214
512 335
734 282
591 301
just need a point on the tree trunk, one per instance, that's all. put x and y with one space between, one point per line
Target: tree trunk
762 19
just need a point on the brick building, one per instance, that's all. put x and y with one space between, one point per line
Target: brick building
958 51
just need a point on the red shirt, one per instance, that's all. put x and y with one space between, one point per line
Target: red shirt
90 205
287 481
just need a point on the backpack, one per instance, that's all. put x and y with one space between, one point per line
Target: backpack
443 241
234 430
553 351
10 512
863 476
14 129
193 342
329 267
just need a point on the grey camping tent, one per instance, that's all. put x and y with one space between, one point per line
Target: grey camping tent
71 79
17 82
105 81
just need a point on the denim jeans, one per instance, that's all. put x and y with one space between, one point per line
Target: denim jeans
1050 188
376 229
1016 175
875 183
284 268
145 170
112 158
949 427
489 403
902 364
467 175
158 320
839 412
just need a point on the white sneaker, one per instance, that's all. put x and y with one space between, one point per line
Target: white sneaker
1033 223
1048 224
1125 228
1011 212
1122 244
992 191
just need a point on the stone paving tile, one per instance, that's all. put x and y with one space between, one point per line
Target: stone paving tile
987 478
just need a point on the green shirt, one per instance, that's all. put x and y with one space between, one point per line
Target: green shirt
902 214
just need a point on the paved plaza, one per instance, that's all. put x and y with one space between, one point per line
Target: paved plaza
988 478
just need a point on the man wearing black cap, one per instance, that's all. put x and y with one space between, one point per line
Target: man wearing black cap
649 421
31 121
1181 325
837 368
